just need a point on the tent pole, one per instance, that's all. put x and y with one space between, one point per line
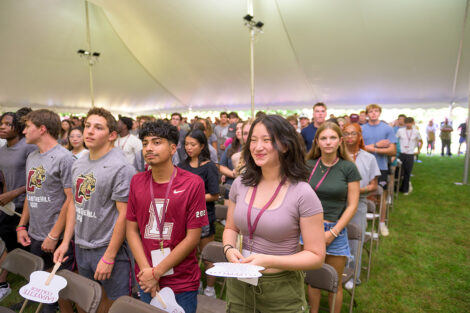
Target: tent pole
252 71
90 62
467 153
252 61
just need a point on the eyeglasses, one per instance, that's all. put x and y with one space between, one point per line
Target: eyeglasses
349 134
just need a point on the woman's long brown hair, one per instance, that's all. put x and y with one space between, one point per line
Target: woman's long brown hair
315 151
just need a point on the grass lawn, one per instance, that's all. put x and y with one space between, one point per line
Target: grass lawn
424 265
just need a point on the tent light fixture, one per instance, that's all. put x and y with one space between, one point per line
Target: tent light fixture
92 57
252 24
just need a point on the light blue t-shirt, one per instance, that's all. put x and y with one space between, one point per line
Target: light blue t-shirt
373 134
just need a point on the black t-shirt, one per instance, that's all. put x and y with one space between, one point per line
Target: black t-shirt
210 175
463 130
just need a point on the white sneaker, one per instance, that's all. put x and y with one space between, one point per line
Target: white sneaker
349 285
383 229
209 292
4 292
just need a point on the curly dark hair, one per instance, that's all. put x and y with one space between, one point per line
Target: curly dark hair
160 129
282 135
15 123
17 117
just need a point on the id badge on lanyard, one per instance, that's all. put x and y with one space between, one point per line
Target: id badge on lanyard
252 227
159 255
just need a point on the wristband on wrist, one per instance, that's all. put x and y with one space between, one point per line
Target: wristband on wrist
52 238
106 262
333 233
229 247
20 228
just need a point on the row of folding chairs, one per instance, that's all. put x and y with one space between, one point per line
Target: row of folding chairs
87 293
374 211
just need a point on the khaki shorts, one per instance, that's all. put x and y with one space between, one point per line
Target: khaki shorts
280 292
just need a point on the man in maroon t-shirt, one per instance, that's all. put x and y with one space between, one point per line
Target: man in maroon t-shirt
165 213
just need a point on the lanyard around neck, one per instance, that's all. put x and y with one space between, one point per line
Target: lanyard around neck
324 176
252 227
161 223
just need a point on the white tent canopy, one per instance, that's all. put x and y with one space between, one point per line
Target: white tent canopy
162 56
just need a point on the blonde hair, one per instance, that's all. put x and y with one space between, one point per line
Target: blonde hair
315 151
373 106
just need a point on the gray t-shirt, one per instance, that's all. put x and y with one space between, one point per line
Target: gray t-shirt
368 168
97 185
13 167
278 229
47 175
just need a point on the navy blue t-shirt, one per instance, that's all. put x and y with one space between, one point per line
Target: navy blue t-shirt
308 133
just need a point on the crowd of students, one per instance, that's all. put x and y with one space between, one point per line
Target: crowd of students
98 199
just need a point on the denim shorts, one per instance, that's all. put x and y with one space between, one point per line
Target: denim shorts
339 246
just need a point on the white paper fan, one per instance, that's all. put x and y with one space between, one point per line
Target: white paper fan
238 270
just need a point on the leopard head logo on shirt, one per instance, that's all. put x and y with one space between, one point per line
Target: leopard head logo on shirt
36 177
84 187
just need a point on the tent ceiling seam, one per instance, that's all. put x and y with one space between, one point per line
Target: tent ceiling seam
459 53
140 63
304 75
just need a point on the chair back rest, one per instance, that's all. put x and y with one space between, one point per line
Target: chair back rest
354 232
2 247
221 211
325 278
222 190
23 263
126 304
380 190
213 252
371 206
86 293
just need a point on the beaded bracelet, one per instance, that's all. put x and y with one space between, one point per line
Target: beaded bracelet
20 228
106 262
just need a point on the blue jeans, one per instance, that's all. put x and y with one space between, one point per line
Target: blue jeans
187 300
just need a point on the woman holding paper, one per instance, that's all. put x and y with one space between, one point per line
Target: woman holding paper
271 205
